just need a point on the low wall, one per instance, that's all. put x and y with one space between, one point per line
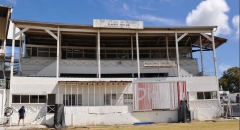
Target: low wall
205 109
35 113
108 115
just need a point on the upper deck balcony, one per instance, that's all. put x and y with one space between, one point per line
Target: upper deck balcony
84 49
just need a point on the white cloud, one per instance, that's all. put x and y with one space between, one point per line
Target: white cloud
131 9
210 13
146 8
235 22
14 2
155 19
125 6
222 67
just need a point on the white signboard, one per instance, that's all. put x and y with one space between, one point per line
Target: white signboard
104 23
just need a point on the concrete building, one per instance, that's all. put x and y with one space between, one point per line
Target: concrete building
111 72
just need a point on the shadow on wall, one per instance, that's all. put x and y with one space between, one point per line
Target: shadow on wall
41 116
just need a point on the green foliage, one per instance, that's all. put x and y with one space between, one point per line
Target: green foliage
230 80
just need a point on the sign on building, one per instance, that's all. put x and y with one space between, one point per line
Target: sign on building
105 23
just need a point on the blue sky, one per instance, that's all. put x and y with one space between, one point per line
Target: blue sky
223 13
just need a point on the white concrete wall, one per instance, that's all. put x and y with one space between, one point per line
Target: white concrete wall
41 85
33 112
205 109
47 67
2 101
33 85
85 116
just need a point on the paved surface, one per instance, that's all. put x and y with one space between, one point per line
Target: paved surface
21 127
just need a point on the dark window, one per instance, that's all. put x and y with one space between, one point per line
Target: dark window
89 51
42 99
102 56
34 51
28 50
15 98
200 95
69 55
207 95
53 49
128 96
111 55
143 51
111 51
34 99
89 55
77 55
144 55
24 98
43 49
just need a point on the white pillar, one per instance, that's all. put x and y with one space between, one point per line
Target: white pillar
200 40
94 94
177 54
132 52
58 92
4 45
138 63
20 56
71 95
11 66
65 93
58 42
167 47
13 48
215 65
98 54
214 55
77 94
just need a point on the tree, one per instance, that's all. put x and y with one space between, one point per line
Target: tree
230 80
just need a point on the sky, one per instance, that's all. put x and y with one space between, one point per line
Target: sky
221 13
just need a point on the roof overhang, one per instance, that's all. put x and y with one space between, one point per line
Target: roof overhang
5 15
37 28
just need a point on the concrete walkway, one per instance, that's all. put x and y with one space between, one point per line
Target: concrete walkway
21 127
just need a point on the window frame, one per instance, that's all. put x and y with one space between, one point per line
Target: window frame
29 98
213 95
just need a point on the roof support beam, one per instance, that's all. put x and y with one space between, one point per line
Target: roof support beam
36 27
181 37
20 32
52 34
206 36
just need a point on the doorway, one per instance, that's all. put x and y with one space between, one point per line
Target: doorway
51 103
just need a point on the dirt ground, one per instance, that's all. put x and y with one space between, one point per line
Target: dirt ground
210 125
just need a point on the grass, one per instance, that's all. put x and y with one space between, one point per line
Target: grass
225 125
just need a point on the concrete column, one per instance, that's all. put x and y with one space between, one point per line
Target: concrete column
177 54
138 62
167 48
13 48
11 66
57 66
214 55
200 40
20 55
132 52
98 54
